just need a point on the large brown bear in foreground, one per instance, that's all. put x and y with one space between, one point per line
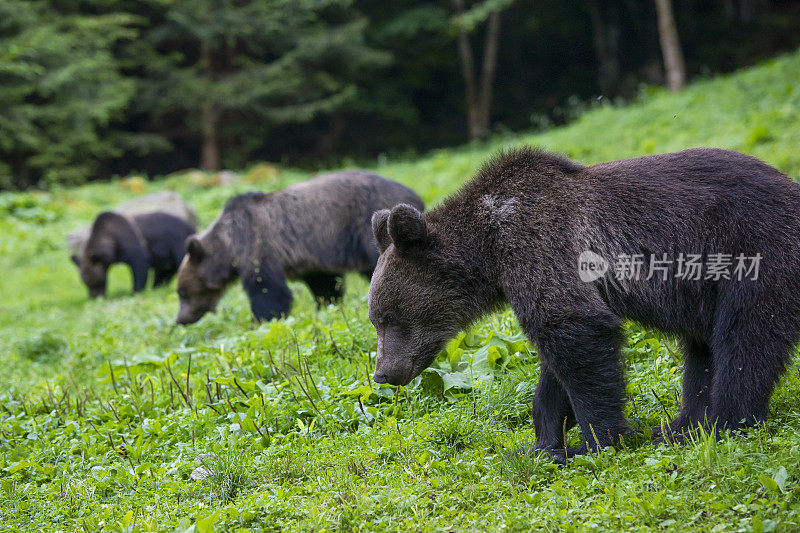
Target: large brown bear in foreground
713 234
150 241
312 231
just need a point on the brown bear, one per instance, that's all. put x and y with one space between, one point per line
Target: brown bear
147 241
713 234
169 202
313 231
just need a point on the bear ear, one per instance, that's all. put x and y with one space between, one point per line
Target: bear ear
195 249
407 228
380 221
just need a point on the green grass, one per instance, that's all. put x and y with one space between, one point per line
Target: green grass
107 408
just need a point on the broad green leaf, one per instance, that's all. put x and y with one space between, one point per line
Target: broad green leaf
768 482
206 524
780 478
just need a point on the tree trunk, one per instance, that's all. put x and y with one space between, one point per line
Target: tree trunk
209 156
209 118
329 139
670 46
743 12
605 30
478 93
468 72
487 77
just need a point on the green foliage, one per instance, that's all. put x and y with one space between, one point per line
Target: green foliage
271 61
61 88
478 13
29 207
107 409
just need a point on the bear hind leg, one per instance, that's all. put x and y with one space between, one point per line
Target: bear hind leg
747 366
162 276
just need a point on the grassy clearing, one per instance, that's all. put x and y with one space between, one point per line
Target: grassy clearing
113 418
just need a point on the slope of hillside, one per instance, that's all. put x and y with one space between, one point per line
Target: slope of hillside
107 408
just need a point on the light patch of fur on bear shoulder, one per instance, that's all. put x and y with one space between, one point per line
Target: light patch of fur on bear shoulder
499 210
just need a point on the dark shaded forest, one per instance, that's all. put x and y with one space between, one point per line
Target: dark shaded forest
91 89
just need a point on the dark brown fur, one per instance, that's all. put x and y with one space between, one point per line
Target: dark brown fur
313 231
514 234
143 242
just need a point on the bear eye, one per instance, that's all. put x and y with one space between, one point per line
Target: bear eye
388 318
182 293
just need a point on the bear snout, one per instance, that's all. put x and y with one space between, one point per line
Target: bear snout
392 375
186 317
186 320
395 380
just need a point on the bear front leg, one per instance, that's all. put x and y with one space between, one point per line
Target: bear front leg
270 297
698 373
583 354
552 412
139 267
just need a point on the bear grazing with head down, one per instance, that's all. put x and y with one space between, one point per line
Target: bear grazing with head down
313 231
520 233
143 242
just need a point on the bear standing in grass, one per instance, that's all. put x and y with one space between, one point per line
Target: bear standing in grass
703 244
313 231
147 241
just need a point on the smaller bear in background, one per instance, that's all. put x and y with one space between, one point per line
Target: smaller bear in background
313 231
143 242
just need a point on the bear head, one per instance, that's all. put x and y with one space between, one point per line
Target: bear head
417 297
93 264
203 275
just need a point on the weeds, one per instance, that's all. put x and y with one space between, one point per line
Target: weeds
226 472
455 432
506 401
286 468
521 465
42 346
